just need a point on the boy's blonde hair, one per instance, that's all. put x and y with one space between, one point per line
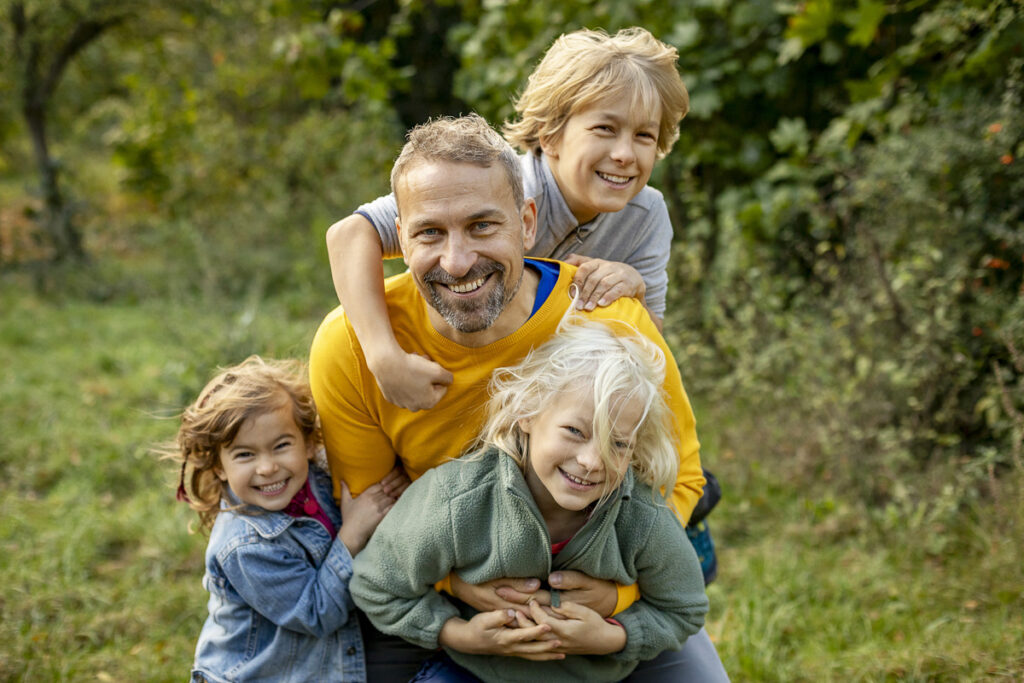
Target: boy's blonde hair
585 66
466 139
253 387
588 356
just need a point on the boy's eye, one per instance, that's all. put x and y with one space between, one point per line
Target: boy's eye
283 444
649 136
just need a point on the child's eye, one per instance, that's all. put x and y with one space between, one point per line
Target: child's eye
574 431
622 445
647 135
283 445
242 455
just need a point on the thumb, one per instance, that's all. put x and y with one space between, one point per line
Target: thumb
567 580
573 259
346 495
497 618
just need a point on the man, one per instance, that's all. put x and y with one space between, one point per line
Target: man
471 302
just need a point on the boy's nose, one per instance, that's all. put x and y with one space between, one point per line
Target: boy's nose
623 151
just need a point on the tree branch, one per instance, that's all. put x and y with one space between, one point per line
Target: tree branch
85 32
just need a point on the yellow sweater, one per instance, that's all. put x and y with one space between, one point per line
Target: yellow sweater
364 434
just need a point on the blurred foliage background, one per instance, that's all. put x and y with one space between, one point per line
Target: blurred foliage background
847 297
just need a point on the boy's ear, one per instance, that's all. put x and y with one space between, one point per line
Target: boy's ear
549 146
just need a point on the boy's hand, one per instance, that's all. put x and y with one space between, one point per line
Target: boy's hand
408 380
361 515
579 630
496 633
601 282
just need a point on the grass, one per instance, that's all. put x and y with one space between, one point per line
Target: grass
102 578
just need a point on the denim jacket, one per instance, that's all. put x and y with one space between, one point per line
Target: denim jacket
279 604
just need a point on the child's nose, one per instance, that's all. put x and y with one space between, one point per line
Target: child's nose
623 151
589 457
266 466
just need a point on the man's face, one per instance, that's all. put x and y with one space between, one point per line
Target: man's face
464 241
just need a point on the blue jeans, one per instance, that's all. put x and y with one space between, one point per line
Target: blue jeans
696 662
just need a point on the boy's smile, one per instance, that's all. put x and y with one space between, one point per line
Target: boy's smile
604 155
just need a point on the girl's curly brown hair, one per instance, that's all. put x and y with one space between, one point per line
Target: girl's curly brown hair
253 387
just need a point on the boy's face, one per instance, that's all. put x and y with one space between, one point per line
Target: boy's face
604 156
268 462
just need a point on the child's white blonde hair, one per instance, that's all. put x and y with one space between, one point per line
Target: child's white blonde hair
590 356
585 66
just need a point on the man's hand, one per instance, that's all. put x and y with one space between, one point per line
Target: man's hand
408 380
498 593
601 282
596 594
489 633
579 630
361 515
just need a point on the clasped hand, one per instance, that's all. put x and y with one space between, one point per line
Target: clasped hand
516 618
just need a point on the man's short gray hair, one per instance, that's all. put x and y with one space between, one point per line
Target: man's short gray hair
465 139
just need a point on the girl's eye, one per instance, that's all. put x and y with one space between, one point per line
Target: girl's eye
575 432
242 455
283 445
622 445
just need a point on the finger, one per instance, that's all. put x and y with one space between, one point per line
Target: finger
575 259
569 579
613 293
346 495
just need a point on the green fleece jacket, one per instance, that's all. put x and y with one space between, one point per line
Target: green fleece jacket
476 516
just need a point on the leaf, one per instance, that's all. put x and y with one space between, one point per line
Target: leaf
864 22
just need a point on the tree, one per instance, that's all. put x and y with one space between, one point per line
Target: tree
46 40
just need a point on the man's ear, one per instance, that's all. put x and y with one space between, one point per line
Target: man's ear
401 237
528 215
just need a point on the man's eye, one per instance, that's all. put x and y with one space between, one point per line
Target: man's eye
482 225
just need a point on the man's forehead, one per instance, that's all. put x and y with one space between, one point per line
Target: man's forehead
435 182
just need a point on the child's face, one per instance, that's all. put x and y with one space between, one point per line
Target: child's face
268 462
604 156
564 469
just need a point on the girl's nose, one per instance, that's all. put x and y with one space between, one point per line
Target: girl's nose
266 466
589 457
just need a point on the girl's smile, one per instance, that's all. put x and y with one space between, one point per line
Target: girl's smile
565 468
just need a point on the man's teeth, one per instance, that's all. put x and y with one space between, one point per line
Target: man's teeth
614 178
468 287
272 488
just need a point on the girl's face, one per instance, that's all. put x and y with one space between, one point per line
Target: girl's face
564 469
268 462
604 156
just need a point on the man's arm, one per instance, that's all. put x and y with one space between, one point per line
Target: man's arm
356 445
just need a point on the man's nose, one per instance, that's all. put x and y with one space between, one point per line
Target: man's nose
458 257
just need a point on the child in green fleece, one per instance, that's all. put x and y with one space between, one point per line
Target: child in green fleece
567 475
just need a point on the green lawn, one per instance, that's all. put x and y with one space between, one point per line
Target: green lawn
102 578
